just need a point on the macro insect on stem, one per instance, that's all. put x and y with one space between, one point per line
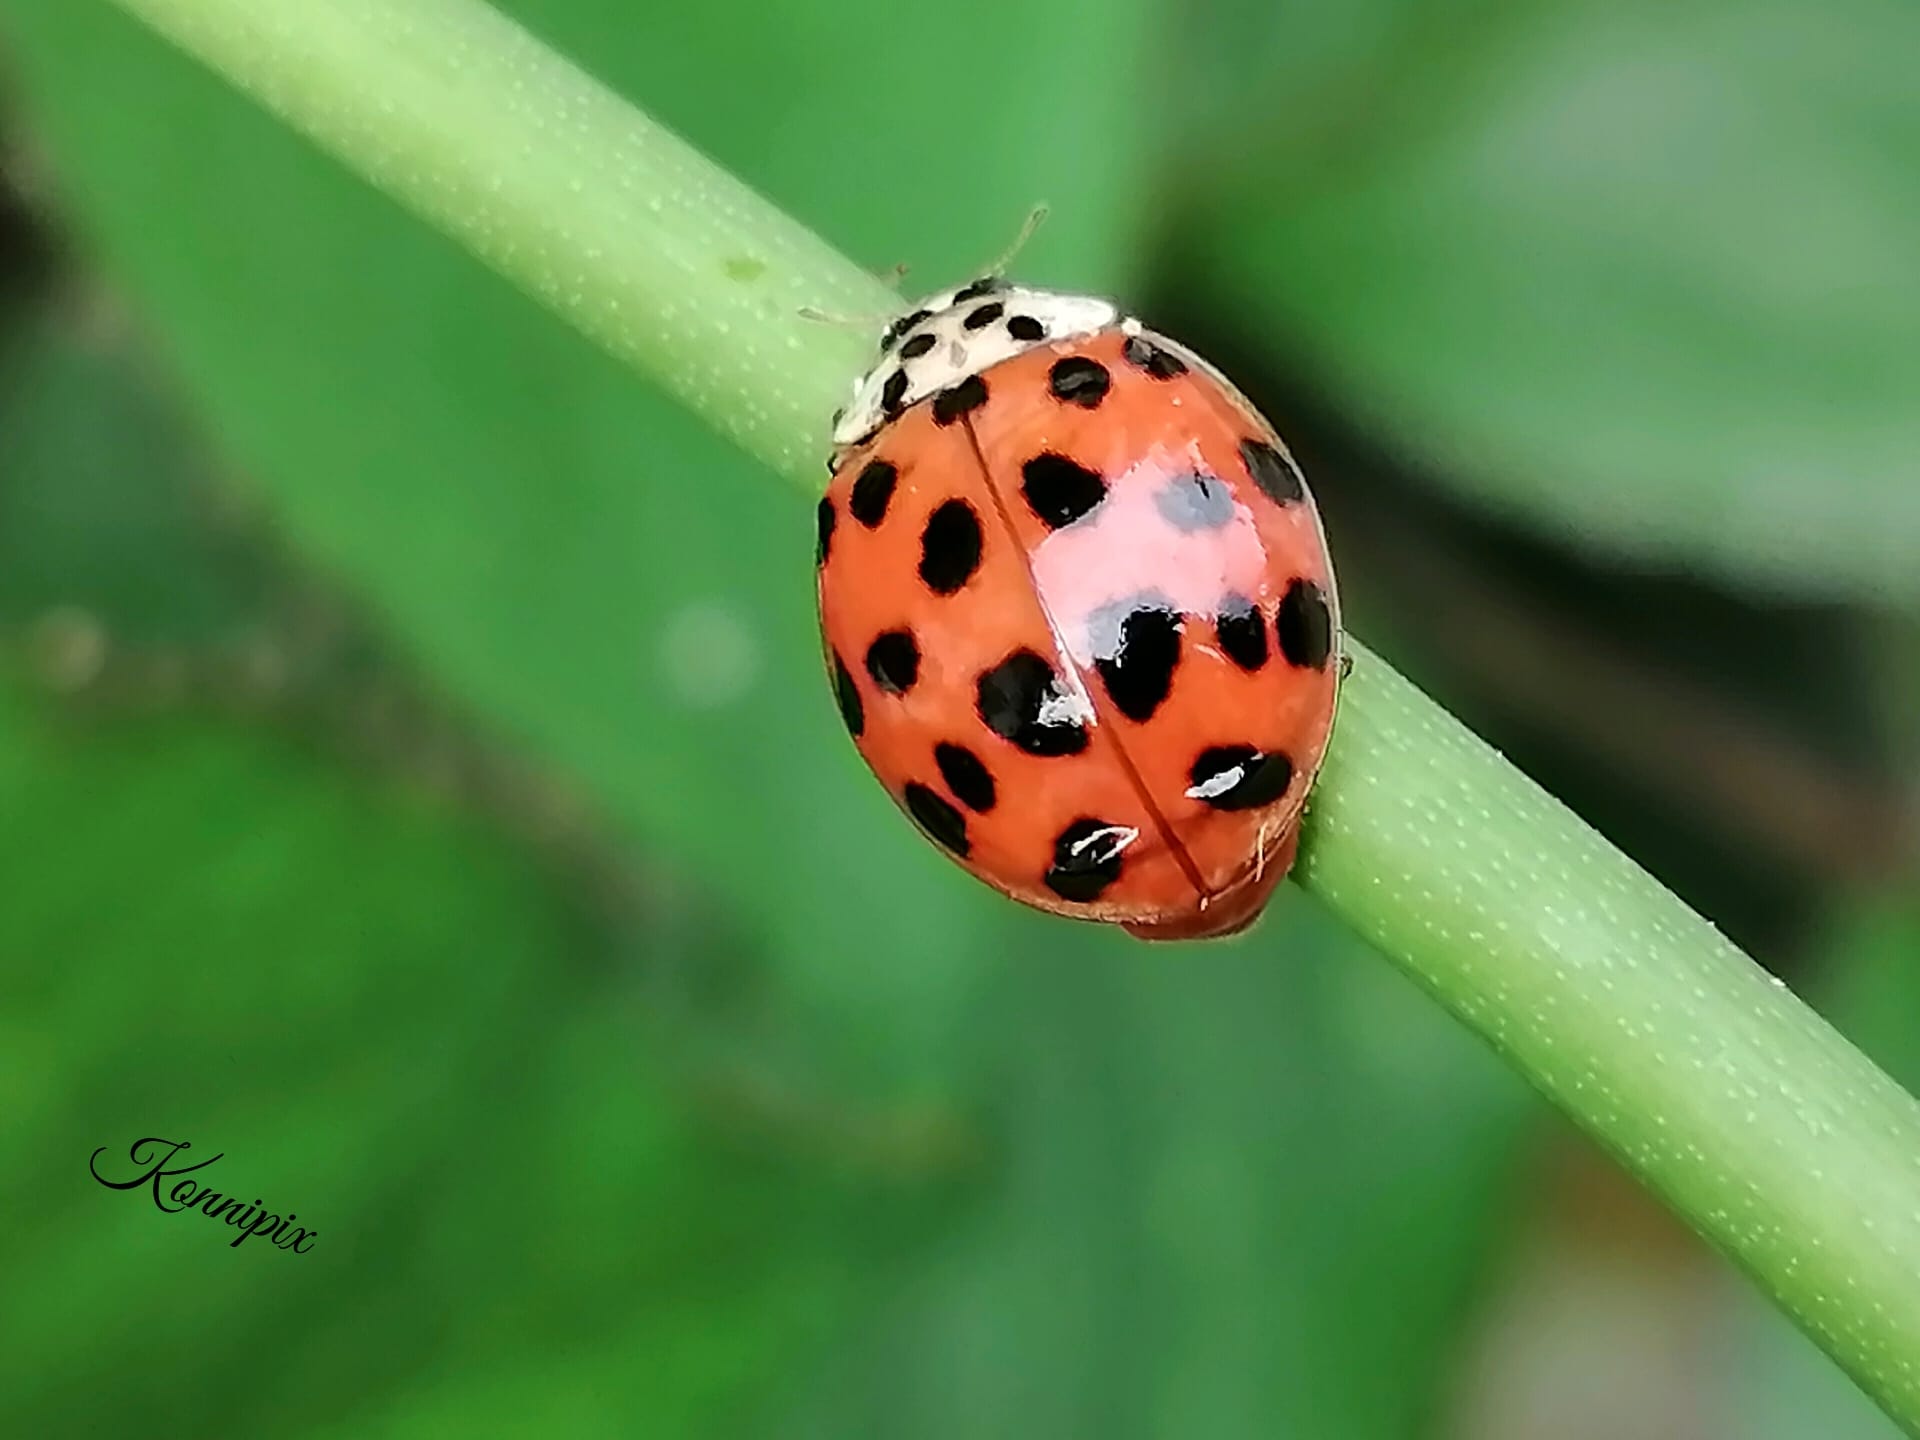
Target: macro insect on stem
1090 609
1621 1006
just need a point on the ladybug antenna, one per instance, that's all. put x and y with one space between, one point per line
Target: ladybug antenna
891 280
829 317
1035 218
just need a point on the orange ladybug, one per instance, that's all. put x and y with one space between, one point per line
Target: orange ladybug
1078 610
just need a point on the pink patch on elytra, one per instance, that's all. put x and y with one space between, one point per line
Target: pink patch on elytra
1127 548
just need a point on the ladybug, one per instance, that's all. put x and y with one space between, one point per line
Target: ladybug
1077 610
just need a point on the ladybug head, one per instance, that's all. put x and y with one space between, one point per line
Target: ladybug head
956 334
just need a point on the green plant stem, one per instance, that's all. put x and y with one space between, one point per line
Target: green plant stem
639 241
1767 1131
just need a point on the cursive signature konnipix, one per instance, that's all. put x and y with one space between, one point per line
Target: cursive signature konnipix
250 1220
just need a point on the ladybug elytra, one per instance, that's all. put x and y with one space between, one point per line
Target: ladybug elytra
1078 610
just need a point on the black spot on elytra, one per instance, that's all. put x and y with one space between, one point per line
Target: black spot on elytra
901 327
1136 645
1304 626
894 393
824 518
1160 364
1239 777
969 780
1025 327
1195 502
1059 490
916 347
950 547
872 492
1022 700
848 696
1086 858
985 285
940 820
1272 472
1079 381
957 400
984 316
893 660
1243 632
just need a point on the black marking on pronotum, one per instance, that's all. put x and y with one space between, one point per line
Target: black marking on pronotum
901 327
985 285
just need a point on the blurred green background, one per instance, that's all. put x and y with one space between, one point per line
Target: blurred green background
416 782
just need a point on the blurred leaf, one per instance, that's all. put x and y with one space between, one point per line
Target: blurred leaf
1230 1197
104 503
1640 274
480 1039
389 1024
1873 996
1244 1194
1779 1387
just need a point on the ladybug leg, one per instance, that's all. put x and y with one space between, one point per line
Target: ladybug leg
1288 851
828 317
